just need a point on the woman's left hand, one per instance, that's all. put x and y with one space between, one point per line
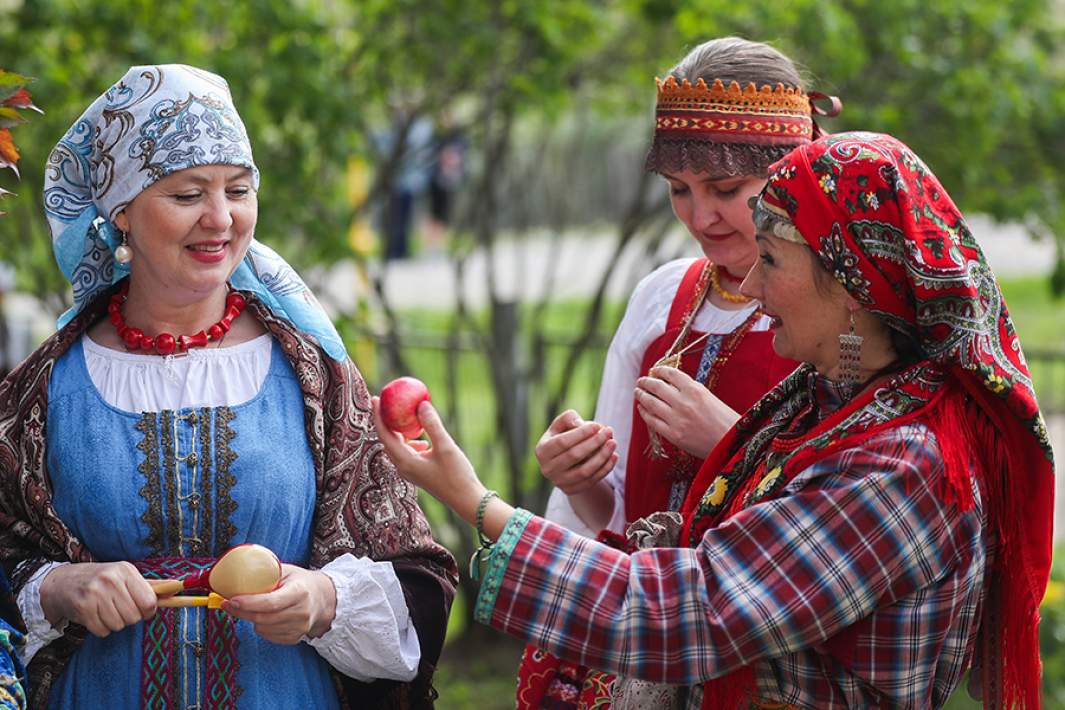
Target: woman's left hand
438 466
304 604
683 411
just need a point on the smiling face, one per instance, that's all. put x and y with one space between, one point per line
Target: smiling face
716 213
809 310
190 230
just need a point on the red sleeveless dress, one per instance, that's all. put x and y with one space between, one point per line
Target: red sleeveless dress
739 367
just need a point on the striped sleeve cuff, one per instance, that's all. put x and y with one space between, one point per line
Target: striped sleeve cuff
497 564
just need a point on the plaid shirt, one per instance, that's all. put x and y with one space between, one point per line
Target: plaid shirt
861 538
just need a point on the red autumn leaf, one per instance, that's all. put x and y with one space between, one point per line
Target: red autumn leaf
20 99
8 152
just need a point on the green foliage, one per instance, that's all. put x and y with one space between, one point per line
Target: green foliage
975 87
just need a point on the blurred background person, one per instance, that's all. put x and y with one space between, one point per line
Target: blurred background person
410 181
448 174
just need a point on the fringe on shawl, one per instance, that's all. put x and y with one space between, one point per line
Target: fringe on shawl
972 443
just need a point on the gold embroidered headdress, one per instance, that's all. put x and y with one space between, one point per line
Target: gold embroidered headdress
728 129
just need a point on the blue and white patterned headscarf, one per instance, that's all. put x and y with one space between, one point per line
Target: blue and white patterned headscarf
155 121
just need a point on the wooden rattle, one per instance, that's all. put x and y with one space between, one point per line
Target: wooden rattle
244 569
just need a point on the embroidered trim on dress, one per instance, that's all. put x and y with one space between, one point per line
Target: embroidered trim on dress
224 481
173 524
193 467
151 492
497 564
207 524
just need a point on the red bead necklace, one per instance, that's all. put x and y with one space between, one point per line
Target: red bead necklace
165 343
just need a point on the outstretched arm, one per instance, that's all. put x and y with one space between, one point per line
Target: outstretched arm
853 535
442 469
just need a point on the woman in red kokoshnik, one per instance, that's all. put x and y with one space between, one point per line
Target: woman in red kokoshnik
875 526
691 352
726 112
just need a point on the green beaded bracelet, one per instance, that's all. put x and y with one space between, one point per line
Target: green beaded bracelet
480 555
481 507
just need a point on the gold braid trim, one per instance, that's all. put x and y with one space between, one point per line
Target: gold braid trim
674 95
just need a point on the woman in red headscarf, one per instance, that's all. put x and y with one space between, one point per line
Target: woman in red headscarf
873 527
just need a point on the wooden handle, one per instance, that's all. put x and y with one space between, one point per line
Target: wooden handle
166 587
211 601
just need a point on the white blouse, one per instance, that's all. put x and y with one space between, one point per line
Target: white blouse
644 321
372 635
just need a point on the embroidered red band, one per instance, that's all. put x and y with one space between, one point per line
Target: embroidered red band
720 113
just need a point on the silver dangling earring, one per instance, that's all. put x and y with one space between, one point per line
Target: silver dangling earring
850 358
123 254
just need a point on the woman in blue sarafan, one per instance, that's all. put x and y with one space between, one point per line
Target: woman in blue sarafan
197 397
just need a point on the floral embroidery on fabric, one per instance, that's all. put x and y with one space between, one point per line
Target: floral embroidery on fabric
882 240
173 519
842 263
172 137
211 494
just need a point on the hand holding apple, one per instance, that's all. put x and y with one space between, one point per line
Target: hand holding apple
438 466
399 405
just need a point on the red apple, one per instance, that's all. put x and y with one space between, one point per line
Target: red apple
399 405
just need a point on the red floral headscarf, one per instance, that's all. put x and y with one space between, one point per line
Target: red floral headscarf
884 227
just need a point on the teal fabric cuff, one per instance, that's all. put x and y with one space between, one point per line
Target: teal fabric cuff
497 564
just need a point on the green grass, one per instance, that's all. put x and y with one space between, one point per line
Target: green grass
478 673
1040 322
1038 316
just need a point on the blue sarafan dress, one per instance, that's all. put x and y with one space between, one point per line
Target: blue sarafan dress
170 491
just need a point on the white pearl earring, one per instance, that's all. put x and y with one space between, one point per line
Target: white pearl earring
123 254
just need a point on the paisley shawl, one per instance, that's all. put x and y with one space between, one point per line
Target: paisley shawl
363 506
